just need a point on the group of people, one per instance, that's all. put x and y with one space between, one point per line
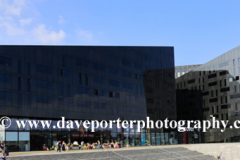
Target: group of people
113 145
62 146
89 146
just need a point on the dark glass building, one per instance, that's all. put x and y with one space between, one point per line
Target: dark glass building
85 83
211 90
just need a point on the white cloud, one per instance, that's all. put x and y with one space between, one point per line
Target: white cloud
61 20
14 8
86 36
24 22
12 30
16 26
42 35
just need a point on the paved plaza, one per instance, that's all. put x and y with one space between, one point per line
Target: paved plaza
145 153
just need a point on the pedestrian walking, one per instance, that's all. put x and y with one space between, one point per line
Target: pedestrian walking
59 146
99 144
64 146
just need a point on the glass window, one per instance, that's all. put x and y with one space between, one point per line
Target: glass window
69 91
70 102
29 100
116 95
7 61
1 95
60 101
60 72
126 62
24 136
19 99
61 89
99 80
233 62
12 141
83 90
138 66
176 70
86 79
50 100
11 136
39 99
185 69
39 83
45 69
19 67
29 68
113 82
8 95
113 70
101 93
99 67
82 63
24 141
83 104
28 84
126 74
7 78
99 105
126 85
80 78
67 73
19 83
180 69
44 99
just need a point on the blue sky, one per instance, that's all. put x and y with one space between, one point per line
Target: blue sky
198 30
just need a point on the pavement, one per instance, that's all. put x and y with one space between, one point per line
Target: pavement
171 152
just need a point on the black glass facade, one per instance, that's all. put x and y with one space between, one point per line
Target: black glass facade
212 90
85 83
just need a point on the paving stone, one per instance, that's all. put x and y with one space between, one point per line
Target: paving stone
174 153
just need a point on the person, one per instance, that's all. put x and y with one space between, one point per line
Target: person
98 144
117 145
3 156
219 156
88 146
112 145
223 158
44 147
26 146
59 146
71 146
2 145
64 146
